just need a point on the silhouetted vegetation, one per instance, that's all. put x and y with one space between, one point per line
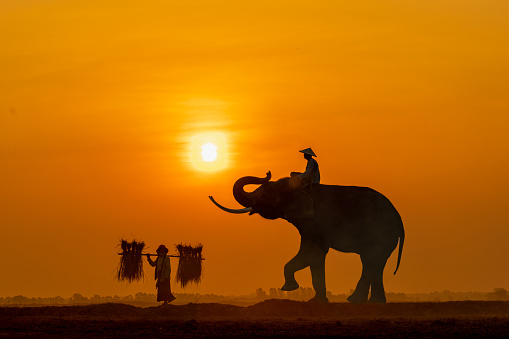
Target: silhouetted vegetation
190 266
301 294
131 263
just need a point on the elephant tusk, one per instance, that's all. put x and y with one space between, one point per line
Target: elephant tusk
236 211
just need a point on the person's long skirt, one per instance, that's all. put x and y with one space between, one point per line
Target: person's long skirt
164 292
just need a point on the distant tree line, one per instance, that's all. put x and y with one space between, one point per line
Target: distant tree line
76 299
301 294
307 293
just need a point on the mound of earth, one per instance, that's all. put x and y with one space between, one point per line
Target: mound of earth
466 319
269 309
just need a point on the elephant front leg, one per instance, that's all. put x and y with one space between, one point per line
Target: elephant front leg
317 265
299 262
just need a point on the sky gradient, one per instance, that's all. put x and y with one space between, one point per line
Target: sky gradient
100 102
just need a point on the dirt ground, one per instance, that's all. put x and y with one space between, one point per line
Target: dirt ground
271 318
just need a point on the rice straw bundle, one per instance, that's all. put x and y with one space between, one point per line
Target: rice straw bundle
190 267
131 263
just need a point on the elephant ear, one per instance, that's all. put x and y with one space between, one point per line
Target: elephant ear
300 205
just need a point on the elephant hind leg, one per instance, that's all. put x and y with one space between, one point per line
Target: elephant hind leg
360 295
371 278
377 283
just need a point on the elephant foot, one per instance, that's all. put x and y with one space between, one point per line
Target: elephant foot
377 300
318 300
290 286
355 299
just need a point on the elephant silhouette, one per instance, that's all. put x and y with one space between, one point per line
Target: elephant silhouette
348 219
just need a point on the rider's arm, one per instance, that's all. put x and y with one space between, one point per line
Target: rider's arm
309 168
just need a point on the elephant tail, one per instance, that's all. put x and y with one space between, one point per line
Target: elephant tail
401 241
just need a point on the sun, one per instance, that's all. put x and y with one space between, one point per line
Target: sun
209 152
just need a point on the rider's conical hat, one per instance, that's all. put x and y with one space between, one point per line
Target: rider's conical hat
308 151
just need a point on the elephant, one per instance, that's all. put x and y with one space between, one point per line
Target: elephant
348 219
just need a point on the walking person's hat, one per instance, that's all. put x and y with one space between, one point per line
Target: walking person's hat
162 248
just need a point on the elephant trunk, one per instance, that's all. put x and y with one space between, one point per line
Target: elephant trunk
244 198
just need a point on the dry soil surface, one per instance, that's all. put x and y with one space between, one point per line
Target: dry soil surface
271 318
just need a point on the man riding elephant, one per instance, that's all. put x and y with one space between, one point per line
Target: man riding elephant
312 173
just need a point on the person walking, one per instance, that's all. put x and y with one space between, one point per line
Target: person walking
162 274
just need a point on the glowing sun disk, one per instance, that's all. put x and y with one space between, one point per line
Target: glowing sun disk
209 152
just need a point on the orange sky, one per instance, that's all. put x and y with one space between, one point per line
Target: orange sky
100 101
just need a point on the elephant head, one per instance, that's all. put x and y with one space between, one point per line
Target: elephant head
272 199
